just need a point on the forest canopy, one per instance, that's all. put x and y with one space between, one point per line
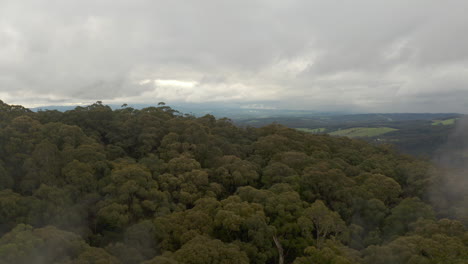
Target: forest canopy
97 185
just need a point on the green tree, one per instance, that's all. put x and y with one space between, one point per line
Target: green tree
43 245
380 187
331 253
406 212
6 181
319 223
93 255
80 176
232 172
132 187
201 250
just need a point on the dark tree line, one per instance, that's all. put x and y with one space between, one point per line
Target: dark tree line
96 185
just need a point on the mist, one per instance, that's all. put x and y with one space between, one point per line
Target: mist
449 192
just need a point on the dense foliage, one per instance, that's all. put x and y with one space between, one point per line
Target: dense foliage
413 134
96 185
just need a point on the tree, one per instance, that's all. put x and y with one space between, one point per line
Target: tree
6 181
282 207
330 253
417 249
232 172
93 255
133 188
15 209
329 185
43 245
319 222
406 212
277 172
246 224
201 250
380 187
80 176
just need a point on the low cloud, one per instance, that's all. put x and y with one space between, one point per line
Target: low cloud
450 193
363 55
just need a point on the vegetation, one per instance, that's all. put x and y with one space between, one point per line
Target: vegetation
313 130
413 134
96 185
446 122
363 131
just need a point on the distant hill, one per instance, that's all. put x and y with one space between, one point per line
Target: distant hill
235 112
419 134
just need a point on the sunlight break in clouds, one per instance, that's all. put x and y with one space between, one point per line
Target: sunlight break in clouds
197 92
175 83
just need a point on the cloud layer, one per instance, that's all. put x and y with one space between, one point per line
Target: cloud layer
365 55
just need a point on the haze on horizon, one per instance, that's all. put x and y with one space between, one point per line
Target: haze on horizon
365 55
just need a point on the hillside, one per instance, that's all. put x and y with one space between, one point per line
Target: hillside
96 185
414 134
357 132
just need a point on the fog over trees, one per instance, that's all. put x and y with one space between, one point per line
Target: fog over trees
96 185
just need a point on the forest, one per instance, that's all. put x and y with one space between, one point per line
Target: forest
417 134
95 185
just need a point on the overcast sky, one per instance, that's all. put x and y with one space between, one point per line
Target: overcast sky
371 56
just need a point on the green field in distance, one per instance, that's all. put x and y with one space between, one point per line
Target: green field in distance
444 122
363 131
312 130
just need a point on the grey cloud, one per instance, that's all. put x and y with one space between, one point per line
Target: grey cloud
349 55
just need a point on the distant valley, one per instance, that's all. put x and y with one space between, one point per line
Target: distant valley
412 133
